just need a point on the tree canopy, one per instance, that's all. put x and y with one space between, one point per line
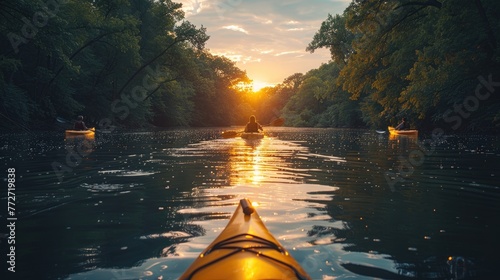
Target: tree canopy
130 62
136 63
434 62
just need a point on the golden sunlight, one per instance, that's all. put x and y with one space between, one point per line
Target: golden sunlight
258 85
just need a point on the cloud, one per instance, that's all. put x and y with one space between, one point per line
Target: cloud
238 57
235 28
192 7
288 52
268 38
263 51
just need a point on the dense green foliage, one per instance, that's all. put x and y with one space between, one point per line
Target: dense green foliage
313 99
117 62
435 62
139 62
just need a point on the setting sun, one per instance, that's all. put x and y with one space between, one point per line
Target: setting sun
258 85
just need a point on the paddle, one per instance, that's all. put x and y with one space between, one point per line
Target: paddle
277 122
61 120
231 133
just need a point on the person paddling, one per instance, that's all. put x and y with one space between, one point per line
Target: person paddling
403 125
79 124
253 126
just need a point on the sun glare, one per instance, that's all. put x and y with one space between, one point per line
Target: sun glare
258 85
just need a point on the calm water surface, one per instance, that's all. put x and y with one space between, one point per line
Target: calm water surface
346 203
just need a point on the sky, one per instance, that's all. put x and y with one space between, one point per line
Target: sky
266 38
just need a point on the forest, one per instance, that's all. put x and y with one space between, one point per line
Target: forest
140 63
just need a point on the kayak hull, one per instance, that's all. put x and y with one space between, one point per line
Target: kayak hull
79 132
90 133
245 249
393 131
252 135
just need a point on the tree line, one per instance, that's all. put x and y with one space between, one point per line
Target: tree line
437 63
129 62
135 63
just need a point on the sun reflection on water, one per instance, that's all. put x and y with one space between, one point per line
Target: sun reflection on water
246 163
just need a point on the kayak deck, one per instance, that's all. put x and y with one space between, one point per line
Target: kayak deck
245 249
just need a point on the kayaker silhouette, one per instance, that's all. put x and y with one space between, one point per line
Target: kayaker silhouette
253 126
402 125
79 124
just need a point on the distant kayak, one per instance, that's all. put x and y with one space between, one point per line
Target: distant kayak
245 249
252 135
89 132
393 131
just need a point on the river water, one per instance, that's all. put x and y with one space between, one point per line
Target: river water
346 203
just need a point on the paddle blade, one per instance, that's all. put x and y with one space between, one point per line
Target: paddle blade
230 134
61 120
278 122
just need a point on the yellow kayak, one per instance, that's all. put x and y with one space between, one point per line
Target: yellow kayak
90 131
245 249
393 131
